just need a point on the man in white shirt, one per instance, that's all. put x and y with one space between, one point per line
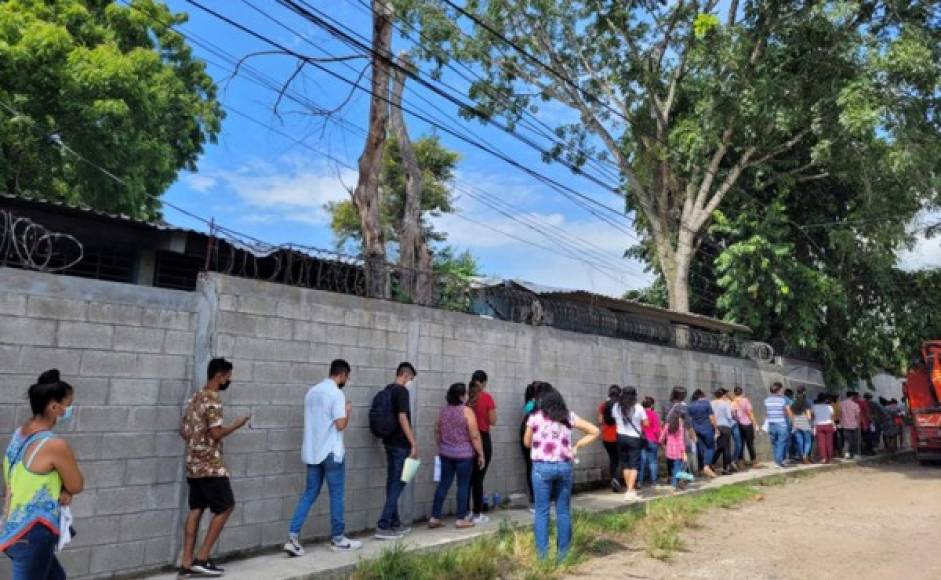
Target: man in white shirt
326 416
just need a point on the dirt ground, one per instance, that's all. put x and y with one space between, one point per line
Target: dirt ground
878 522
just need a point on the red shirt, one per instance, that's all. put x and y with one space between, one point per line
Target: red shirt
864 418
609 433
482 409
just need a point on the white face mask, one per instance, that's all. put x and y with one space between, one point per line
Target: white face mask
409 384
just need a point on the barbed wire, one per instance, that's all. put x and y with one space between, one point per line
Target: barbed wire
515 305
30 245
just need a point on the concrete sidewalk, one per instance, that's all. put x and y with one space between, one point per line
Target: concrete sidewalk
321 562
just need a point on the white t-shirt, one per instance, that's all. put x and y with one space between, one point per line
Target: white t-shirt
323 405
635 427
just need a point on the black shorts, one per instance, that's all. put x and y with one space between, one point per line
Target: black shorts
629 449
214 493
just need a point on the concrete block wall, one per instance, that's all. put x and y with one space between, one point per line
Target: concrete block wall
135 354
127 350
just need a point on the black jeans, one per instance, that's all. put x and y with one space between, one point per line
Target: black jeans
477 478
748 439
723 448
613 460
851 441
529 472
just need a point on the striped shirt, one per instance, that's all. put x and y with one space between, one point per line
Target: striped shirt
774 407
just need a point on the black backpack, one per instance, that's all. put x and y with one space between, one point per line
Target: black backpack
382 420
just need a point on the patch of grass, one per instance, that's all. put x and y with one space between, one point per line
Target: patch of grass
511 552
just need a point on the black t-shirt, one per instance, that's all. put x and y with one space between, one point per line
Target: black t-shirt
400 404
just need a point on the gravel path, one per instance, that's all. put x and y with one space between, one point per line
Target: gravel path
878 522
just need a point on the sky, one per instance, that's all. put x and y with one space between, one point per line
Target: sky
270 175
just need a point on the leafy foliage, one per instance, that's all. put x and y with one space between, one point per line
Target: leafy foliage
117 84
438 165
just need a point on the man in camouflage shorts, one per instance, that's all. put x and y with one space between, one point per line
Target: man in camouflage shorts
206 474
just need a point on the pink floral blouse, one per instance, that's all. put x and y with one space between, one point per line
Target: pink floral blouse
552 442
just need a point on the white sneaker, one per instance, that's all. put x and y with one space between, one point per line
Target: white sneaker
294 548
631 495
480 519
344 544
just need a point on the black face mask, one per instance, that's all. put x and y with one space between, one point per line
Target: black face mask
225 385
341 385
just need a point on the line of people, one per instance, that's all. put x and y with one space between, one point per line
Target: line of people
42 475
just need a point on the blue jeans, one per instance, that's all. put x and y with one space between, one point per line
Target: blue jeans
738 448
335 474
463 468
705 448
805 442
648 463
552 480
780 438
395 461
675 466
34 556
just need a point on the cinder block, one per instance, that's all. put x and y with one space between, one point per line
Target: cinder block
85 335
117 557
96 532
115 313
167 496
270 350
126 446
261 511
109 364
310 331
86 446
162 366
145 525
34 360
134 392
22 330
125 500
170 445
173 392
228 303
12 304
285 439
138 339
258 305
177 342
247 441
153 470
75 561
168 319
271 372
240 538
56 308
108 419
157 550
102 474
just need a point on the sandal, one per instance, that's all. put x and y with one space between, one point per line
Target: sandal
435 524
463 524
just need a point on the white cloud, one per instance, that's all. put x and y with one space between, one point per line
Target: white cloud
291 189
926 254
200 182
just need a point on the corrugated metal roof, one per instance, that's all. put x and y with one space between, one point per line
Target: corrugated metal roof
619 305
83 209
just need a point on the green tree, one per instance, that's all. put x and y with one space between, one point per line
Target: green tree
453 271
437 164
117 85
691 105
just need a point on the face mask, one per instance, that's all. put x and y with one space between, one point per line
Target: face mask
68 413
225 385
409 384
341 385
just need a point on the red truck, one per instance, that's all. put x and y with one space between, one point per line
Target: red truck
922 390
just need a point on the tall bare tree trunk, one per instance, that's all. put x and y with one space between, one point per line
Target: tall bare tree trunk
366 196
414 255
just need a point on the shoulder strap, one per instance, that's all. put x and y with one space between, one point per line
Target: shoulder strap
32 456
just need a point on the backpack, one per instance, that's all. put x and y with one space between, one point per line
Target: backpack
382 420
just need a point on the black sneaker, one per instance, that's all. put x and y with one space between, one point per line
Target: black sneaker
616 486
207 568
187 573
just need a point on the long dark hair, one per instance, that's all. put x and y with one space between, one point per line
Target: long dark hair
475 386
530 393
552 404
674 424
456 394
48 388
800 403
627 403
614 393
